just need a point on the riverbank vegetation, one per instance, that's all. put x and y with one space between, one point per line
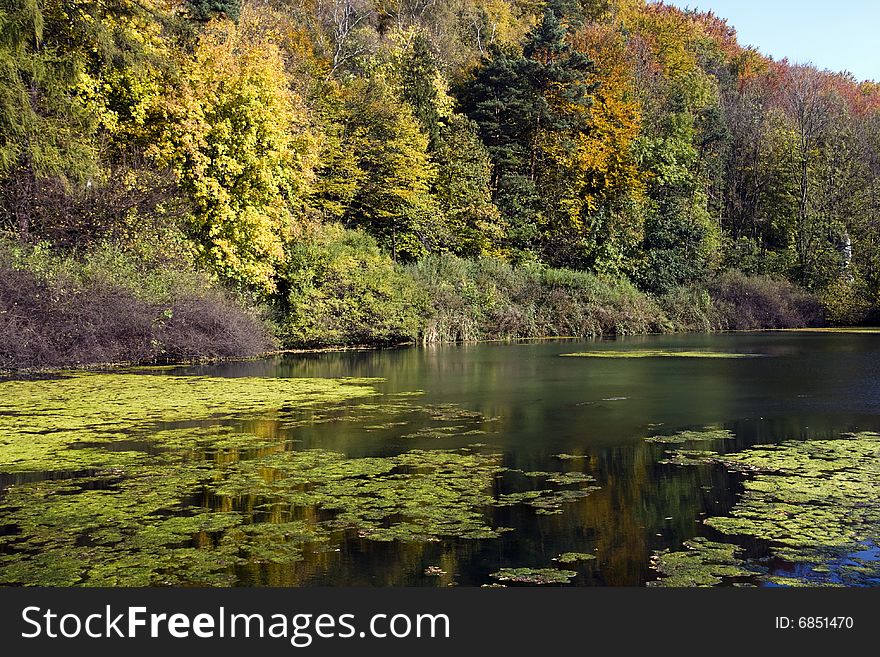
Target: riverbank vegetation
192 179
108 307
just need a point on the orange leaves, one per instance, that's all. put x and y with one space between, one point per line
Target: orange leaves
605 155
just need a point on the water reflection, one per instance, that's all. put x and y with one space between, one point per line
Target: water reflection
529 405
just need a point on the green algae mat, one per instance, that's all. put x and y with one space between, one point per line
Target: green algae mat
505 477
657 353
149 479
813 504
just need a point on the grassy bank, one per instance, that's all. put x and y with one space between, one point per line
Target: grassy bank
113 306
490 300
346 292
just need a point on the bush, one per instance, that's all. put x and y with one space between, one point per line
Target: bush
342 290
112 307
689 309
846 302
743 302
490 299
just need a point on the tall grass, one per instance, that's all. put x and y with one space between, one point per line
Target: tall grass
488 299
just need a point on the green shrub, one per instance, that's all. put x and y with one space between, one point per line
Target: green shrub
846 302
689 309
342 290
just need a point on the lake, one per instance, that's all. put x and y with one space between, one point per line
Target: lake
470 465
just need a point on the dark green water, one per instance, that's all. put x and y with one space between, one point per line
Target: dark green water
532 404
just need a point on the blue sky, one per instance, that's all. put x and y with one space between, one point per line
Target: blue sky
841 35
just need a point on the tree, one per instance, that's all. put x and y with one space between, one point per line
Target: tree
806 102
349 26
393 201
464 172
204 10
73 78
680 109
674 240
604 182
421 86
45 130
532 110
241 144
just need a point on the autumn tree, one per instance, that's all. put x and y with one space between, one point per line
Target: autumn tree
241 144
605 180
681 237
395 175
532 109
807 104
75 77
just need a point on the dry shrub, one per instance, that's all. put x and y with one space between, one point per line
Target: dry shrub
211 326
62 320
744 302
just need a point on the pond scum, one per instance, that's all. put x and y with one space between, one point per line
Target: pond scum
815 504
145 479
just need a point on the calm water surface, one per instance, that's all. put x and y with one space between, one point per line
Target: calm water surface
538 404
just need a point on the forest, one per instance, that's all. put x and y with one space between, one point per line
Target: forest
223 178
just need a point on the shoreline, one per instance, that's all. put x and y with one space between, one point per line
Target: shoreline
108 367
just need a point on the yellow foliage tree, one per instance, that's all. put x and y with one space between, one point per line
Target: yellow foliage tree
241 143
603 169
